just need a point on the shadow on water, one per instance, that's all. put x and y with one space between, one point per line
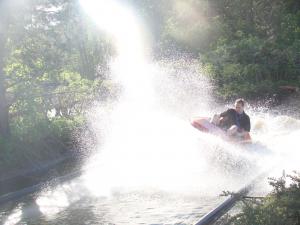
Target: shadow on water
46 205
24 212
30 211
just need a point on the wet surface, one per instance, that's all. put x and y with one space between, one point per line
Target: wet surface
61 205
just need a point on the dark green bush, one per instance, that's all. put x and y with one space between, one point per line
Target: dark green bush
280 207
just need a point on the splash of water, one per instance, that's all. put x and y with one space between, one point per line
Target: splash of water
150 142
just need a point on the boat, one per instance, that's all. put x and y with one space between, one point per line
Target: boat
204 125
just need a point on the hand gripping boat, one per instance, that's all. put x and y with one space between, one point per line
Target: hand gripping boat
203 124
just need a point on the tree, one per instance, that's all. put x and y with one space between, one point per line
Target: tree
4 115
258 48
54 58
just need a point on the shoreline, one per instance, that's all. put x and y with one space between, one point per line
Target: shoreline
20 179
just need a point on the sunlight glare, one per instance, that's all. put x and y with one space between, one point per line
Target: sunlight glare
53 201
118 20
15 217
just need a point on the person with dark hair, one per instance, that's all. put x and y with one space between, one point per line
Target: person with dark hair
234 120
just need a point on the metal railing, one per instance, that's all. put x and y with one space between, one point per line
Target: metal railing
225 206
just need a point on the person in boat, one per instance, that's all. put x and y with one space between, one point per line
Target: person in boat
234 120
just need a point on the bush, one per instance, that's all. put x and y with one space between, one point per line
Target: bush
35 141
251 59
280 207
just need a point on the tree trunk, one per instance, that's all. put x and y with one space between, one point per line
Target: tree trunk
4 116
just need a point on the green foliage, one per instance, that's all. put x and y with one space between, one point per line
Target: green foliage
56 61
55 64
257 55
282 206
33 143
249 46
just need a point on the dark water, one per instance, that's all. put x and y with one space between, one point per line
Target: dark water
64 204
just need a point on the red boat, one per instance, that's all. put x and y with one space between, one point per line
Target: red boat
203 124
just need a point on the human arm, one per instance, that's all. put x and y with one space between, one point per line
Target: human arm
247 125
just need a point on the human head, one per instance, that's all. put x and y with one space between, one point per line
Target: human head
239 105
